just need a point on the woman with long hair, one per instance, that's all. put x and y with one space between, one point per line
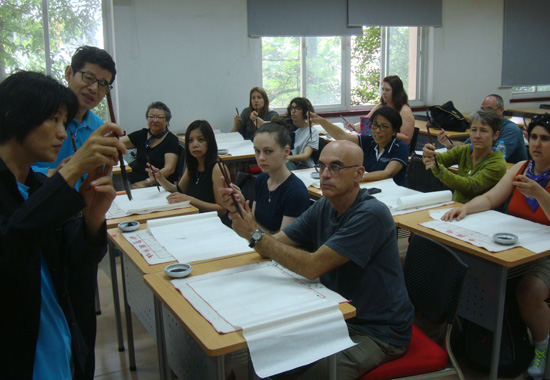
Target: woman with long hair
255 115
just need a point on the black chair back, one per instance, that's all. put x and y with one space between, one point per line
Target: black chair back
414 139
180 166
434 276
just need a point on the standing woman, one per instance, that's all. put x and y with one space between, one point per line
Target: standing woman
393 95
527 188
255 115
384 155
156 144
304 140
41 240
479 168
202 178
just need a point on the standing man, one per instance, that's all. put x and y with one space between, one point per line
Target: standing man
510 133
355 254
91 71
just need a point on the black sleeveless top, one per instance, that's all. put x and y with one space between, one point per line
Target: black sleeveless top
200 186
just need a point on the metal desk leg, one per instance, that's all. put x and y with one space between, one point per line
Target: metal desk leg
501 285
129 326
220 367
161 344
332 371
116 299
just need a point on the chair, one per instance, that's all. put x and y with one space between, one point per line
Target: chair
544 106
412 144
434 275
420 117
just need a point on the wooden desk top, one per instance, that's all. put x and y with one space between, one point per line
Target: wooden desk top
141 218
116 169
421 125
533 110
509 258
242 157
200 329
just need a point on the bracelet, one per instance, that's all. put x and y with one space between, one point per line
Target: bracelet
148 180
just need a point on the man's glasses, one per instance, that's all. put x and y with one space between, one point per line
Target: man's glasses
159 118
90 79
333 169
376 126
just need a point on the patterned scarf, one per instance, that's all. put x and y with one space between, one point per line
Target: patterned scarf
159 136
541 179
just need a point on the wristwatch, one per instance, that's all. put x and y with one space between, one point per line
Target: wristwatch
255 237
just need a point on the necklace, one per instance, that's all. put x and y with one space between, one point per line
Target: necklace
270 193
199 175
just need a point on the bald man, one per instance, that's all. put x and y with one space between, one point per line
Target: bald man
355 254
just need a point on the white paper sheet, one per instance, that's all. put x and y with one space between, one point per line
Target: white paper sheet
424 199
198 237
287 320
146 200
305 176
478 229
148 247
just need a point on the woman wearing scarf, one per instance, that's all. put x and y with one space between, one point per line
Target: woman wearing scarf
155 145
527 187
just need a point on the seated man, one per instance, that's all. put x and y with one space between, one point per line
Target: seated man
355 254
510 133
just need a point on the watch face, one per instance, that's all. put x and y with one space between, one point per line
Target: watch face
256 235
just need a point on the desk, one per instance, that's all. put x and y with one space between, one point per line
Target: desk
117 171
188 335
111 224
529 110
421 125
485 284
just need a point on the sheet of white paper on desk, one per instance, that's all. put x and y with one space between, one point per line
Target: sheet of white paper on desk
145 243
228 137
181 218
199 238
478 229
305 176
424 199
273 304
146 200
439 150
238 148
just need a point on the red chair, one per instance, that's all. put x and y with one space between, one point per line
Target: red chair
434 275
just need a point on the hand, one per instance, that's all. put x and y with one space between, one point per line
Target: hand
527 186
227 201
444 139
459 213
237 119
154 172
177 198
98 192
350 126
246 225
428 150
140 185
253 115
315 119
52 171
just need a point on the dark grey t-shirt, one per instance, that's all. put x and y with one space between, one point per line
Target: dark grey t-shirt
373 278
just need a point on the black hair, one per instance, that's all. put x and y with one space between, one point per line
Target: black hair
159 106
302 103
27 99
539 121
391 114
211 152
279 128
91 54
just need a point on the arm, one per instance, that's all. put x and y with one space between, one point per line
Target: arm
445 140
333 130
127 142
487 201
390 171
170 162
306 153
530 188
407 128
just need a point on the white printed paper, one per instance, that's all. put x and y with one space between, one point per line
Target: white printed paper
146 200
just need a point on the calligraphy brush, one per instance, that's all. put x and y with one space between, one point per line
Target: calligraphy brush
429 134
123 173
309 121
236 109
151 166
228 182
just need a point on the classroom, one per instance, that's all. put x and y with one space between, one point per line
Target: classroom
199 58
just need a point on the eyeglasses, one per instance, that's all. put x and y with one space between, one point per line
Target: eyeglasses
383 128
295 109
90 79
159 118
333 169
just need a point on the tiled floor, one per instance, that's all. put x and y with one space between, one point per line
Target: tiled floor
113 365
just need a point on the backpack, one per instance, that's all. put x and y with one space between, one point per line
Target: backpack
447 117
475 343
420 179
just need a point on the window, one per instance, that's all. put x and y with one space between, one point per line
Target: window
29 43
519 92
337 73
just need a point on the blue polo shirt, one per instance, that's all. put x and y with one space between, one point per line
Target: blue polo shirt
395 150
81 132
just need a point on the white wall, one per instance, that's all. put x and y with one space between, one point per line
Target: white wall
195 55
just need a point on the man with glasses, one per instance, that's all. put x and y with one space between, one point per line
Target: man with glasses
354 254
510 133
90 76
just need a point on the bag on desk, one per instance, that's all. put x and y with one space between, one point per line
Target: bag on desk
446 116
476 344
